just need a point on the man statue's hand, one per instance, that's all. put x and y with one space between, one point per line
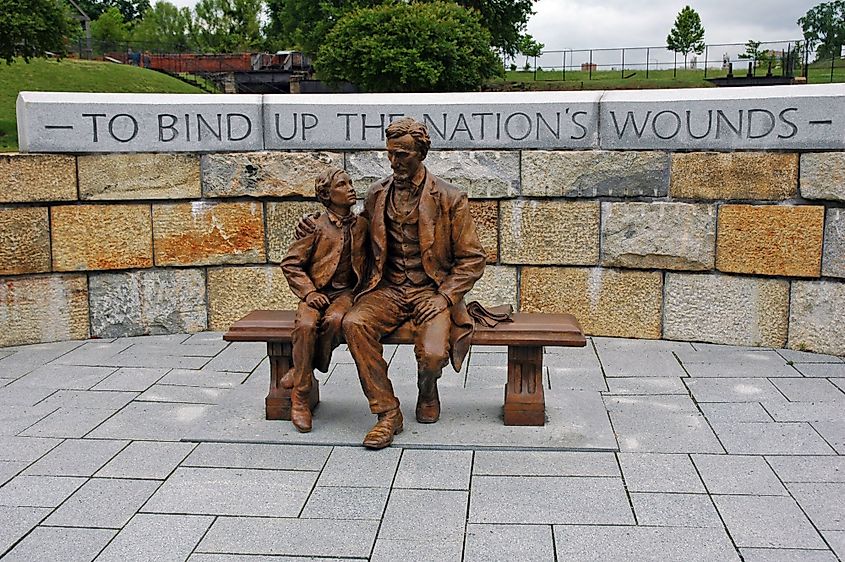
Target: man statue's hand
317 300
431 308
306 225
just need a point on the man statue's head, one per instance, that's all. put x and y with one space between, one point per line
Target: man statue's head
407 146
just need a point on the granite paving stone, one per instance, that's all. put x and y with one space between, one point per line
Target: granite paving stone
259 558
103 502
836 540
805 411
823 503
56 543
23 395
183 394
808 468
821 369
162 339
617 345
10 469
247 455
96 399
733 389
76 457
201 338
27 358
207 349
38 491
771 439
736 474
641 544
652 472
135 379
161 538
241 357
338 502
767 522
767 368
146 460
549 500
833 433
93 353
158 361
150 421
675 510
801 357
235 491
16 418
566 378
434 470
504 543
810 390
358 467
388 550
25 448
208 379
425 515
544 463
69 423
839 382
294 537
68 377
15 522
656 363
786 555
646 385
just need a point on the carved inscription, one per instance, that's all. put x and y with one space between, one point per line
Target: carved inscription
667 124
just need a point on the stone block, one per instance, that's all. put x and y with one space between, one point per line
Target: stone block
606 302
550 232
833 260
594 173
767 522
816 317
497 286
282 218
677 236
770 240
138 176
823 176
92 237
24 240
208 233
734 175
485 214
233 292
263 174
37 177
104 503
43 309
158 301
726 309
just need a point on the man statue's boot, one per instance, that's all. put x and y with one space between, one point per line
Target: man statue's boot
300 412
428 401
381 435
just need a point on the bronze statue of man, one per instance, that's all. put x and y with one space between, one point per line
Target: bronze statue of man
426 256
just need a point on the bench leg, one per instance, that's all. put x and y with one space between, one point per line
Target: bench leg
525 402
277 403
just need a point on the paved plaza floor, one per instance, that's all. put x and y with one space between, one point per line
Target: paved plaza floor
155 448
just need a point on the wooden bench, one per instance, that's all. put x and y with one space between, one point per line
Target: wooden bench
525 337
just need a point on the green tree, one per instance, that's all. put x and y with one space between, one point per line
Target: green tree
753 52
304 24
30 27
164 27
226 26
505 19
428 47
824 28
529 47
687 35
110 29
131 10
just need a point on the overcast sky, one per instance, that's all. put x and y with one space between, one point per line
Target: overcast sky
585 24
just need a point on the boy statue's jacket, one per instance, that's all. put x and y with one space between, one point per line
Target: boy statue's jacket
312 261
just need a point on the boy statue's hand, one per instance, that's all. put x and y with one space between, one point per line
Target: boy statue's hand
317 300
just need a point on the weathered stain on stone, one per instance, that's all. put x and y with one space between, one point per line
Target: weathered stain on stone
37 177
726 309
734 175
833 262
485 214
549 232
770 240
94 237
817 317
233 292
155 301
282 218
263 174
594 173
43 308
139 176
497 286
208 233
658 235
24 240
606 302
823 176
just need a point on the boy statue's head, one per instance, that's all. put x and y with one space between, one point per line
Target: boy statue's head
333 189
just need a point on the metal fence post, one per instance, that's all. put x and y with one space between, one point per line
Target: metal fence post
563 66
675 70
832 64
705 60
591 64
647 53
535 68
623 64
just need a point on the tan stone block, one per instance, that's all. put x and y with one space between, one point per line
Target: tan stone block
726 309
606 302
208 233
43 308
770 240
817 316
37 177
550 232
139 176
282 218
91 237
261 174
497 286
734 175
234 292
24 240
485 214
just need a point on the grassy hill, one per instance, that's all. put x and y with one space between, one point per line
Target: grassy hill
74 76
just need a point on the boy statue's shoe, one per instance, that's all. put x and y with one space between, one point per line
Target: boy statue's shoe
300 413
428 407
381 435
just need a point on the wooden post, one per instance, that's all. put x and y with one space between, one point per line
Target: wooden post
525 402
